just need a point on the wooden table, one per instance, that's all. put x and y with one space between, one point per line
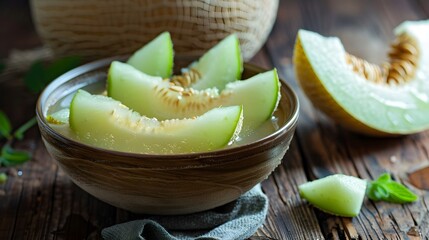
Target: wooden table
44 204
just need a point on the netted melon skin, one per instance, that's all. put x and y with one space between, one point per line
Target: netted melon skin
100 28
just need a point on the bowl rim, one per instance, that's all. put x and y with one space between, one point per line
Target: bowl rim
290 122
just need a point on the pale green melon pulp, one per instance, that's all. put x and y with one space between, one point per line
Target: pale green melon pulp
336 194
153 97
104 122
219 65
156 57
396 109
59 117
265 129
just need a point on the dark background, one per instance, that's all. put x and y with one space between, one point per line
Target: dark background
16 27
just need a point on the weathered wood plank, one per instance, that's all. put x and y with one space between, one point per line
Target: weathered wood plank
44 204
287 217
49 206
12 197
366 28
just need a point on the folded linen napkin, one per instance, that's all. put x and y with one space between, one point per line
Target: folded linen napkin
236 220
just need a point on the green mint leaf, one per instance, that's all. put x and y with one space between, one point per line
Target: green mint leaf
19 133
3 178
385 177
34 79
376 192
61 66
399 193
12 157
385 189
5 126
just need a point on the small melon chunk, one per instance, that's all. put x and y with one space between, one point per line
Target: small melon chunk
154 97
219 65
390 99
337 194
156 57
59 117
103 122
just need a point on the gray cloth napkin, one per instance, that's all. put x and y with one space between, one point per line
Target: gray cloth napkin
236 220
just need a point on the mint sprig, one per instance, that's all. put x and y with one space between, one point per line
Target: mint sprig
12 157
8 155
19 133
5 126
36 78
385 189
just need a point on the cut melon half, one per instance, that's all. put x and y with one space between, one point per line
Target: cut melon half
156 57
220 65
103 122
363 97
155 97
337 194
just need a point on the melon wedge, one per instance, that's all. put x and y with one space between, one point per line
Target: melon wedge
106 123
155 97
337 194
156 57
59 117
363 97
220 65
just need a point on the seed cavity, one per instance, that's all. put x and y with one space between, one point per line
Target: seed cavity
183 98
401 67
187 78
176 88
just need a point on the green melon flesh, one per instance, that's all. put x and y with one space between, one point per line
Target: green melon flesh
103 122
397 109
154 97
156 57
220 65
337 194
59 117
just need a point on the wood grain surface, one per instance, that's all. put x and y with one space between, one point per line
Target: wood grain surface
42 203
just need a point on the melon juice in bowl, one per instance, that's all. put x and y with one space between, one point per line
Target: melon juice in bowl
163 183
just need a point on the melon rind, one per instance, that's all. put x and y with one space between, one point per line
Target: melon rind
106 123
153 97
156 57
356 103
337 194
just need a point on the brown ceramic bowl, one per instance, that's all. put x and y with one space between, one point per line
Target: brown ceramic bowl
164 184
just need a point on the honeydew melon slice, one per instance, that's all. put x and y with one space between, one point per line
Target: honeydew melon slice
220 65
155 97
156 57
104 122
363 97
59 117
337 194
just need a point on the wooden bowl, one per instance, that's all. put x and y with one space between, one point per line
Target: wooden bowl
164 184
89 28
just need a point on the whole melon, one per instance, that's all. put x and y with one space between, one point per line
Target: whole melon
101 28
